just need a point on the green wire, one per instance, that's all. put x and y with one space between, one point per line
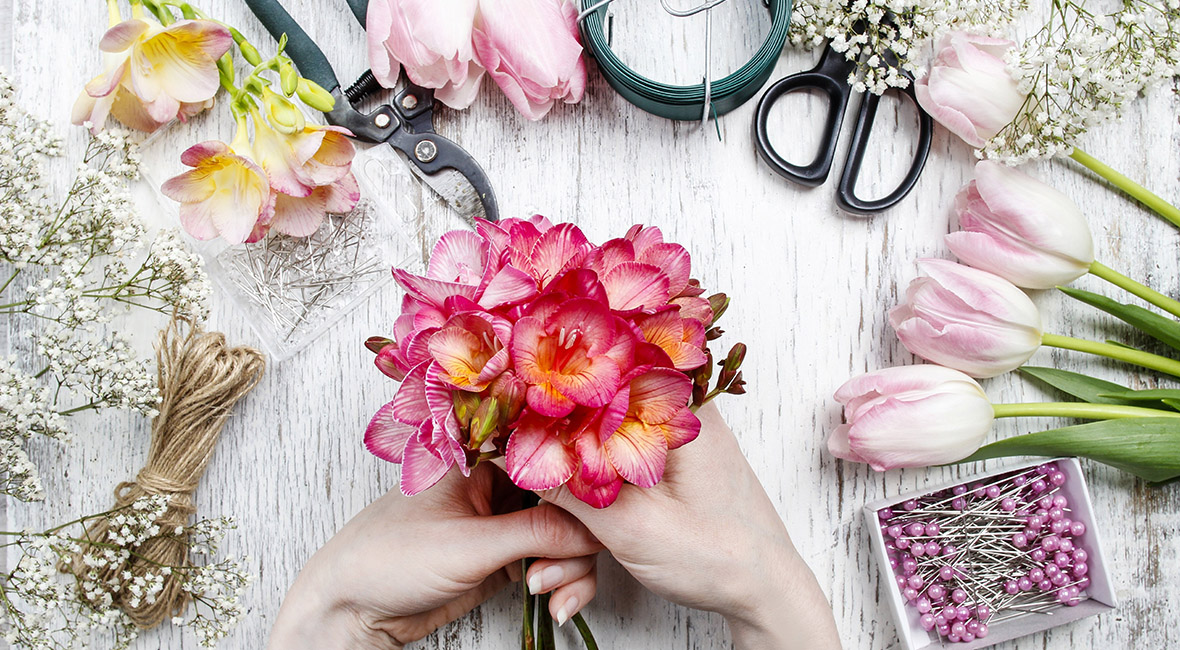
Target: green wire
687 102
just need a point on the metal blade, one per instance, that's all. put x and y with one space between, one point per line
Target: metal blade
454 189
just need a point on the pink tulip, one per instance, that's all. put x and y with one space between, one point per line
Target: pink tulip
911 416
431 39
530 48
1020 229
967 319
968 89
226 193
154 74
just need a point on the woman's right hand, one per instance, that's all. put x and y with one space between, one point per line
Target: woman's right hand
708 537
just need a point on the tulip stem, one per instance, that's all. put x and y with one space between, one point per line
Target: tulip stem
1118 352
1080 410
1143 291
1135 190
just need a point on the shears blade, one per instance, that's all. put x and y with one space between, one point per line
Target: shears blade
453 188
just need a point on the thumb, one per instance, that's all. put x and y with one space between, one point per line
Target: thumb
541 531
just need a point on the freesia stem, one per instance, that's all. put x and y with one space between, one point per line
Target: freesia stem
584 630
1137 357
1143 291
1080 410
1137 191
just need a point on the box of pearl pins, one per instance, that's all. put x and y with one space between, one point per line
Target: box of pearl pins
1004 554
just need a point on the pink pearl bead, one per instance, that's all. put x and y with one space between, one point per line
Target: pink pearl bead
933 529
959 504
1065 546
1044 468
1020 540
915 529
1037 554
982 630
1050 543
964 613
959 490
1056 513
958 595
954 638
958 629
950 549
910 505
1060 501
1045 585
932 548
924 606
1080 569
885 514
1057 527
937 592
909 566
1045 502
1011 588
903 542
918 550
1080 555
967 637
1077 528
972 626
894 531
1024 584
1038 486
927 622
1083 583
940 620
1020 480
946 573
1036 574
1061 559
983 612
1008 504
1060 580
944 630
910 593
915 581
1057 478
1036 521
993 491
900 580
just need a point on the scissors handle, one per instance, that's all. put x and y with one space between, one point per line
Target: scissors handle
827 77
303 51
846 193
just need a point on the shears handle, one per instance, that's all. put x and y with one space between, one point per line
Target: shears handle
303 51
816 172
846 192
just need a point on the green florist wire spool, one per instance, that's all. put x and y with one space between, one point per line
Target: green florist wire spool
693 102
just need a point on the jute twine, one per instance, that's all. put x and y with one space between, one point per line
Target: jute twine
200 380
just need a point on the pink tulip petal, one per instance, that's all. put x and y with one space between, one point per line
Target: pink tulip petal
638 452
659 395
838 445
897 433
385 437
421 468
633 285
537 460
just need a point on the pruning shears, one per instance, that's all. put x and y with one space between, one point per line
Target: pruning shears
406 124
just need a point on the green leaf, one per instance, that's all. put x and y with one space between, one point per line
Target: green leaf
1174 403
1083 387
1163 329
1145 395
1146 447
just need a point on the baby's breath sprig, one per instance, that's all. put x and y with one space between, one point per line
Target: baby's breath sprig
1088 60
40 608
884 38
68 268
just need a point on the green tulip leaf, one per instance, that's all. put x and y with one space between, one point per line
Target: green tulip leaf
1145 395
1146 447
1174 403
1083 387
1163 329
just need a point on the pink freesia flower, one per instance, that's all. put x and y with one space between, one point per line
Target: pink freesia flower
571 353
911 416
967 319
682 339
153 74
1020 229
225 194
968 89
530 48
431 39
471 349
310 173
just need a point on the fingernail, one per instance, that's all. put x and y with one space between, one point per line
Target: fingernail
567 610
546 579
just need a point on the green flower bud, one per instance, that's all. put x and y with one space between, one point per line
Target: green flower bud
314 95
288 78
284 115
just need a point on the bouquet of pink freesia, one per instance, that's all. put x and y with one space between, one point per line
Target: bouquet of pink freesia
579 364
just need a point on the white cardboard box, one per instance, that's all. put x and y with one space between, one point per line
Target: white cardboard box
1100 592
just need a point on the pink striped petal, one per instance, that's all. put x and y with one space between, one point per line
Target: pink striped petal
385 437
409 405
459 256
387 363
508 286
579 283
659 395
536 459
673 260
431 291
683 428
613 413
638 452
592 385
421 468
548 401
697 309
557 250
122 36
526 342
633 285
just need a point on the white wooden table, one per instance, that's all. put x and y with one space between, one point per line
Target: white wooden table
810 289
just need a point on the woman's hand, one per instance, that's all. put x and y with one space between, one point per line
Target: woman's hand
404 567
708 537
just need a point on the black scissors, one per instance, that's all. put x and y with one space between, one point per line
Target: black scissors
407 124
830 76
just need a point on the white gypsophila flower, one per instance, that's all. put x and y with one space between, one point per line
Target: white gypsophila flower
884 38
70 267
1082 68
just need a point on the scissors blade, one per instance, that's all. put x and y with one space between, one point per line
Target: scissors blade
454 189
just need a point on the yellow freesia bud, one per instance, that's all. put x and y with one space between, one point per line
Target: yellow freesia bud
284 115
288 78
314 95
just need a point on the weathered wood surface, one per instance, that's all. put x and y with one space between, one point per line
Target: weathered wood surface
810 288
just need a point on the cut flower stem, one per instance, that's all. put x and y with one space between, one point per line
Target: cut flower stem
1118 352
1080 410
1135 190
1139 289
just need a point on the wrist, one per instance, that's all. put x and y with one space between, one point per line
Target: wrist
312 618
786 609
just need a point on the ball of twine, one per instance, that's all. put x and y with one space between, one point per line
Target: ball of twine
200 380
